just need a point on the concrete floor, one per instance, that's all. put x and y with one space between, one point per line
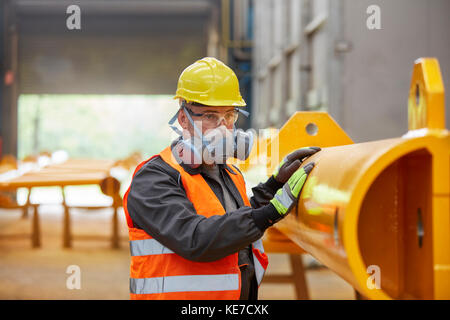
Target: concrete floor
27 273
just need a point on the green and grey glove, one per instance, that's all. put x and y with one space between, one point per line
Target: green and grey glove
286 197
292 162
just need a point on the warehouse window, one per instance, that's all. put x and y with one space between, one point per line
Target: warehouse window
94 126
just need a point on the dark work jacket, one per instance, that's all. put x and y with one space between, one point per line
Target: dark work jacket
158 204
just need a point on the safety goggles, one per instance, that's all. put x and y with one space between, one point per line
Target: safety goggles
209 119
214 119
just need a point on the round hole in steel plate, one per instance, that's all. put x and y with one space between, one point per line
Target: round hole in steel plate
311 129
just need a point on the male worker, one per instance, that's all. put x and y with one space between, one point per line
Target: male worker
194 234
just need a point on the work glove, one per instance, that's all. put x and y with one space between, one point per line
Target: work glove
287 196
292 162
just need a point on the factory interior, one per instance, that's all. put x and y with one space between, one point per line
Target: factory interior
87 92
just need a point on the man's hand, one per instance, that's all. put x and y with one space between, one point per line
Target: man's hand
286 197
292 162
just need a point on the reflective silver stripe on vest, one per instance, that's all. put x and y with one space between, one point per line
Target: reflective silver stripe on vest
214 282
147 247
258 244
259 270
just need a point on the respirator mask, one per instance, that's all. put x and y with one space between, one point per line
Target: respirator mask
215 145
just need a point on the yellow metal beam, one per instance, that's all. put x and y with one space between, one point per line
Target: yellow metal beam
377 213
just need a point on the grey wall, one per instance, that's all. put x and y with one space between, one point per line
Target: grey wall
377 71
323 51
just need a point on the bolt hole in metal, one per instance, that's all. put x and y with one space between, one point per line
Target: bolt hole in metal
420 231
311 129
417 95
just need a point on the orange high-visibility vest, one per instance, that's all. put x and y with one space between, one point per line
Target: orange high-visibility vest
156 272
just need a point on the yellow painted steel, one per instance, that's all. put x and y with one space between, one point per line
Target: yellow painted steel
258 154
378 213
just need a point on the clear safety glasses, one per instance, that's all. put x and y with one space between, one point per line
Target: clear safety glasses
209 119
213 119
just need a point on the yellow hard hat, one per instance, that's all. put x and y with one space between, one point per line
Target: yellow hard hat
210 82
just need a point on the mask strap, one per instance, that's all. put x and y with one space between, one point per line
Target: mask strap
245 113
178 131
172 121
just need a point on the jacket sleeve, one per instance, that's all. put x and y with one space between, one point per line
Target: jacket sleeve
157 203
264 192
